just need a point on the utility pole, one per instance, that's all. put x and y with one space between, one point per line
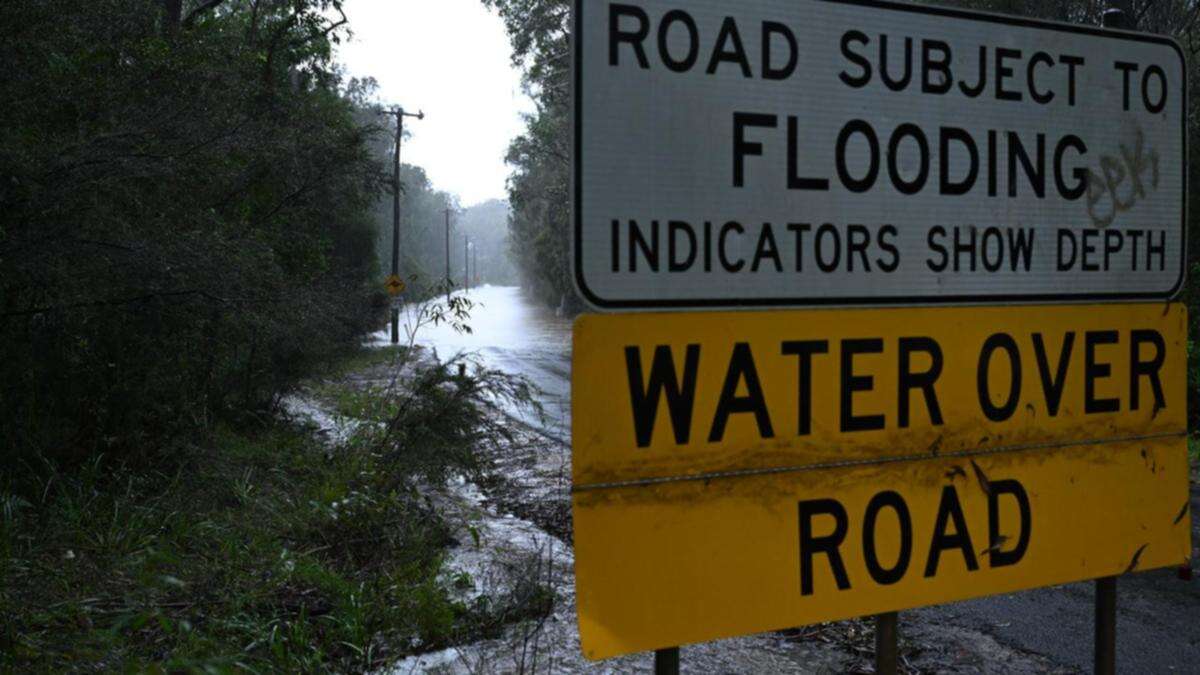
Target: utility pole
400 115
448 281
475 263
466 263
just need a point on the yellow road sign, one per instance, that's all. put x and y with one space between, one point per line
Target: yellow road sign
394 285
742 472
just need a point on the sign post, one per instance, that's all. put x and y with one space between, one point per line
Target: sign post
967 229
1105 639
886 647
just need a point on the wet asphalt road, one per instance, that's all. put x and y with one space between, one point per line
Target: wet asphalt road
1158 615
1158 620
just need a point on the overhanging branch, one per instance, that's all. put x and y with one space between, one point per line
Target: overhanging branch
202 8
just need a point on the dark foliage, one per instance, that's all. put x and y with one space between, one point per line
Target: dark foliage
539 228
185 216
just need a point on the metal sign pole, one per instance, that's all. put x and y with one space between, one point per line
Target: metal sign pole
666 661
1106 626
1116 16
887 654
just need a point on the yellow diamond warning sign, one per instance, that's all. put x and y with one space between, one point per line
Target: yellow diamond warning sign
394 285
738 473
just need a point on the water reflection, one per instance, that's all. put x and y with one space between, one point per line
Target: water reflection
515 334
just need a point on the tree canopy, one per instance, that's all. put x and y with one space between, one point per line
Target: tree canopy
539 227
185 224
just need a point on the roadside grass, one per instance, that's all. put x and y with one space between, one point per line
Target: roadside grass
357 385
253 549
365 359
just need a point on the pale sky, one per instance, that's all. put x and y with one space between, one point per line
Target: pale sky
449 58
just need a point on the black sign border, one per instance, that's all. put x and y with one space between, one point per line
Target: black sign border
914 301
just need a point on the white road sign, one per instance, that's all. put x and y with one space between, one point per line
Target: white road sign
805 152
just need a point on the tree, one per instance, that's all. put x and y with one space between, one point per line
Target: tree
539 226
186 220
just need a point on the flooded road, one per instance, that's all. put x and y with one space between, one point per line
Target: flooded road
513 333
